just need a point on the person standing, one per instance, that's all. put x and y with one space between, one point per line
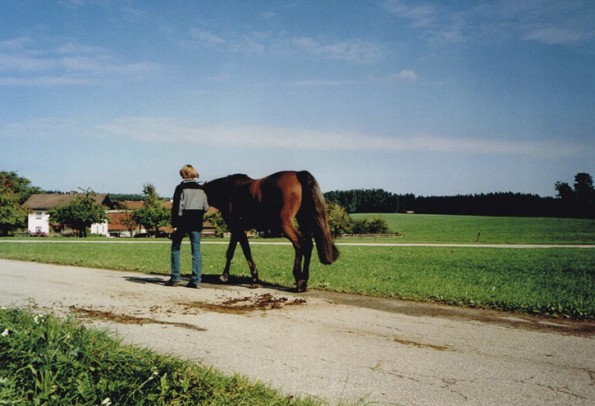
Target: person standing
187 212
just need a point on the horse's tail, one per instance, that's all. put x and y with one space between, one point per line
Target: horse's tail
314 205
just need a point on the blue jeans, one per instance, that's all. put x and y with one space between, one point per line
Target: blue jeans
176 245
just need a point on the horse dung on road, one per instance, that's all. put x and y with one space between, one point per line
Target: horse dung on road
271 204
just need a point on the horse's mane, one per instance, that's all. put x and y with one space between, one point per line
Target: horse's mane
228 177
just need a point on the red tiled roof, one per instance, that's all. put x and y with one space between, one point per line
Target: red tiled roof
116 221
50 200
137 204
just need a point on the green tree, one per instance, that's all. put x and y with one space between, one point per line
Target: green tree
365 200
20 186
564 190
153 214
583 189
580 199
12 214
338 219
79 213
216 219
14 191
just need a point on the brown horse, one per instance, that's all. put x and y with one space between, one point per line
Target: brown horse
271 204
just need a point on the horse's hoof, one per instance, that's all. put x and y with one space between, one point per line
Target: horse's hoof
224 278
302 286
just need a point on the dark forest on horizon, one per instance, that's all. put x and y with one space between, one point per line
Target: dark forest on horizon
571 201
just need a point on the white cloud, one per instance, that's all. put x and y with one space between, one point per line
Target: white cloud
419 14
556 35
14 43
78 49
319 82
26 62
433 20
44 81
352 50
565 22
356 51
207 37
80 63
165 130
406 75
268 15
40 128
161 130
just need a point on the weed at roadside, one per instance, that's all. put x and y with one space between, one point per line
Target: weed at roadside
50 361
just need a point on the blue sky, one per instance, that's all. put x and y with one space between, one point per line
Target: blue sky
424 97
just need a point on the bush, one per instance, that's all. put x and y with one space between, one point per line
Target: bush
338 219
341 223
375 225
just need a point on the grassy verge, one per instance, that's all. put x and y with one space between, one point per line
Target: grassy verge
553 281
49 361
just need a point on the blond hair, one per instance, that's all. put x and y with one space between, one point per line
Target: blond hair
188 172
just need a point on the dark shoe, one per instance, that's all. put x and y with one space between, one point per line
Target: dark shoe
192 285
171 282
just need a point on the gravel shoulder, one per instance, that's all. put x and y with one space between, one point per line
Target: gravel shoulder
339 348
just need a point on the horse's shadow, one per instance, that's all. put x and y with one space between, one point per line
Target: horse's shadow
213 279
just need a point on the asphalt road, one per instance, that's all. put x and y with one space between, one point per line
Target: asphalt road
339 348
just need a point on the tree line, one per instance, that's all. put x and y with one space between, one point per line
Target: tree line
571 201
577 200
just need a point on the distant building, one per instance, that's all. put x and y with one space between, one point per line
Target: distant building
38 219
119 223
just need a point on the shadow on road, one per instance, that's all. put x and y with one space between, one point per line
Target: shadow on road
213 280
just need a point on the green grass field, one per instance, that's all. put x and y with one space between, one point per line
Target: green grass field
493 230
549 281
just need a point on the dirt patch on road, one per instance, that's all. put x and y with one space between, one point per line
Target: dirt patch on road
245 304
93 314
558 325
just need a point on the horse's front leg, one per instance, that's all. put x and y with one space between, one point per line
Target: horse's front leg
243 239
231 248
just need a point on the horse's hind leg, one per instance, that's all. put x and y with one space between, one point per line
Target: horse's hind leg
248 255
296 240
231 248
303 251
307 247
297 270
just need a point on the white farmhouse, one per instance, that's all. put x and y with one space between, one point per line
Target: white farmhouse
38 220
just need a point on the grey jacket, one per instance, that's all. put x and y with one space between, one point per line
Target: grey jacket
189 206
